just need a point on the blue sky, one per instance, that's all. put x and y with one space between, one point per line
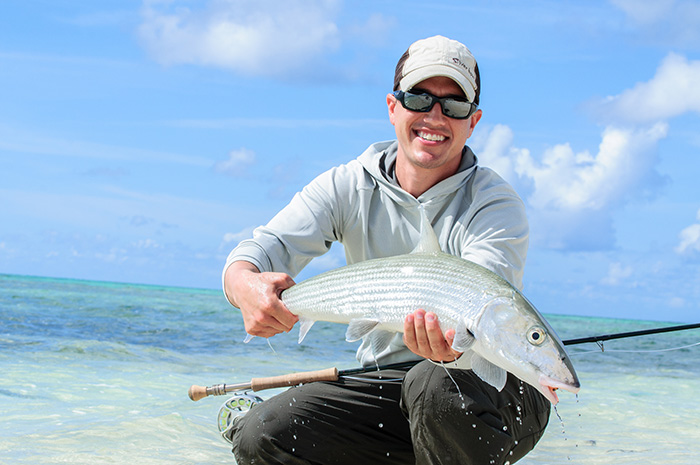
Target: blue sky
140 140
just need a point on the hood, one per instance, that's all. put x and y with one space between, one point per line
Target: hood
379 160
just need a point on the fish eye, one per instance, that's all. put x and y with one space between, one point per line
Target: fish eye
536 335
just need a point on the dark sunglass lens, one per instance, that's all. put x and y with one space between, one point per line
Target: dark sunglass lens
417 102
456 108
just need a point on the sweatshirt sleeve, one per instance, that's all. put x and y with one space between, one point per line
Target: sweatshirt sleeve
304 229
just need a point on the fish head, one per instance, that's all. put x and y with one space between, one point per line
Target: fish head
513 335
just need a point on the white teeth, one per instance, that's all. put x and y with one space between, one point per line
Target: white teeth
431 137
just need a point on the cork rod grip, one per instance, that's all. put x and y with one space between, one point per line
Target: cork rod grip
259 384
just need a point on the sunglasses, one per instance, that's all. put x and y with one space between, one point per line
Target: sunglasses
451 107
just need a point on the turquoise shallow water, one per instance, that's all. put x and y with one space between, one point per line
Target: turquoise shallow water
98 373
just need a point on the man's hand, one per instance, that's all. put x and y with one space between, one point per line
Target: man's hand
257 295
422 335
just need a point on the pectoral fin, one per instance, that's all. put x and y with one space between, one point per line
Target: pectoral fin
380 340
305 325
488 372
357 329
464 339
248 338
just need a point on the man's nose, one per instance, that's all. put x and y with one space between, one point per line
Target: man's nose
436 112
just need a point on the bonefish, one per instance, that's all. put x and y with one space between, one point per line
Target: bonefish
496 327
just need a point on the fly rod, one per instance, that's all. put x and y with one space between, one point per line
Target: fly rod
258 384
644 332
332 374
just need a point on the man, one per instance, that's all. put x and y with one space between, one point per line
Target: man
431 413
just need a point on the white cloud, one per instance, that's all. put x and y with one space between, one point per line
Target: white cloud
147 244
237 163
617 273
495 149
670 22
14 139
269 38
569 181
690 239
246 233
674 90
645 11
572 195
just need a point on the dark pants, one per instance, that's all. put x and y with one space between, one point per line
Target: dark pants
423 416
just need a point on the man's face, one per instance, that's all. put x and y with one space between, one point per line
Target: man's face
431 140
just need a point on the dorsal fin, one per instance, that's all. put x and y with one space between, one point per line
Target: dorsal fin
428 240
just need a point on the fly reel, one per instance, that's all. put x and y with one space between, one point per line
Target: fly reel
235 407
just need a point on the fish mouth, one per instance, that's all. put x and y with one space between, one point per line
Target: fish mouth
549 386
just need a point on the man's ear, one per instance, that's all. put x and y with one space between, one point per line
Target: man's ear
473 119
391 105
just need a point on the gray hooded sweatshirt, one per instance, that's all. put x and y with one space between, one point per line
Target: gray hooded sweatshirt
476 215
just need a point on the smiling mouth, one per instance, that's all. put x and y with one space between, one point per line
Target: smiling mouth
430 137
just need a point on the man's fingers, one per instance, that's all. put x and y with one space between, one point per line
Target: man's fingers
422 340
409 332
279 317
273 321
263 312
440 348
450 336
423 336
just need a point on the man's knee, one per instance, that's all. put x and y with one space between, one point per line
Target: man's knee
259 436
431 384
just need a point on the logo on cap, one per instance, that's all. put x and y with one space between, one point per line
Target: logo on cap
459 62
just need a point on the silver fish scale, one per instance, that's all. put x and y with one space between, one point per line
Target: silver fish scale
388 289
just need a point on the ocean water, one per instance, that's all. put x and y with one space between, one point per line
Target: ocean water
98 373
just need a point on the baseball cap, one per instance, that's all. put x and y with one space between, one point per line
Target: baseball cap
440 56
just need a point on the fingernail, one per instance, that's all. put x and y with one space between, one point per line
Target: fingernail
430 317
